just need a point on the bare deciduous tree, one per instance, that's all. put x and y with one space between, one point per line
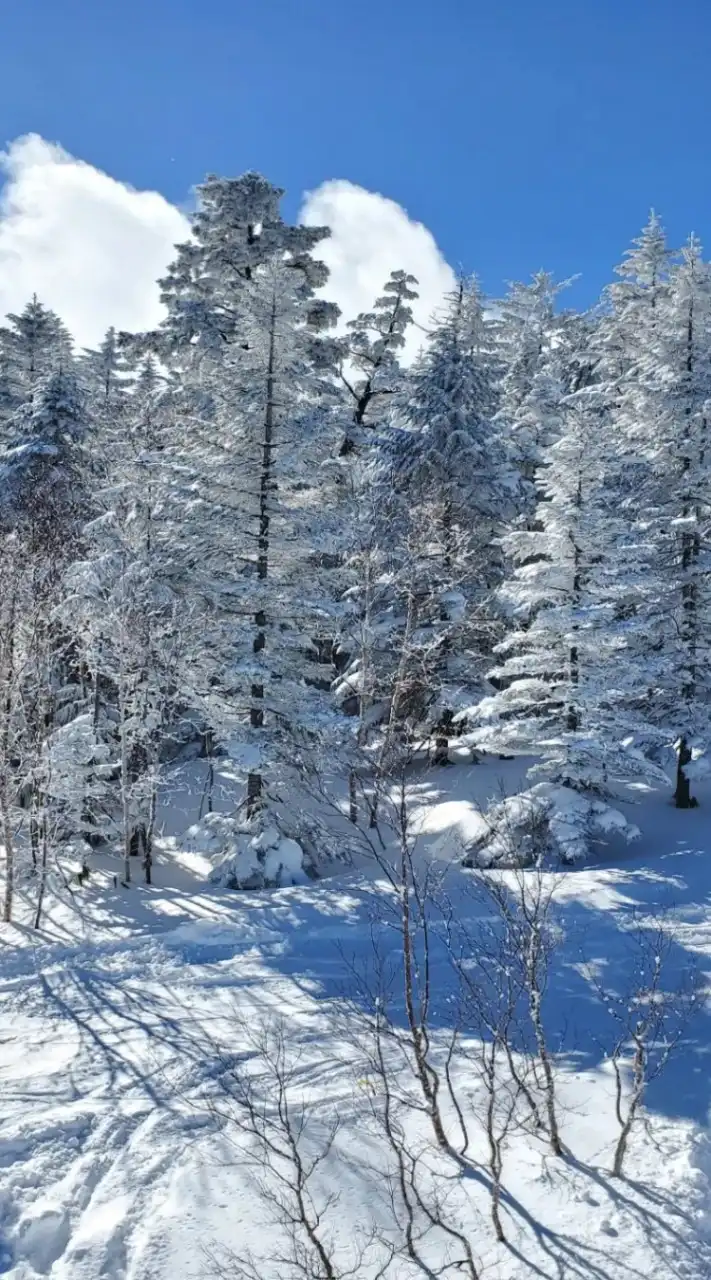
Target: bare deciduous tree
492 1000
285 1142
524 902
649 1016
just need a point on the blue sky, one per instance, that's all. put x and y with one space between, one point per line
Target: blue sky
523 133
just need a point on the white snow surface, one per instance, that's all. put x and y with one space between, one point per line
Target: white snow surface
120 1018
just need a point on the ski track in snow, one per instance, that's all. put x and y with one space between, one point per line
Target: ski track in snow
114 1166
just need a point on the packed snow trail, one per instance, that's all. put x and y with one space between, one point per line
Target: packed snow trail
115 1163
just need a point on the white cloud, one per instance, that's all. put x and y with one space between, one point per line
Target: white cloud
90 247
371 236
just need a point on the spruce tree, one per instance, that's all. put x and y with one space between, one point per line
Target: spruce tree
246 343
568 690
43 502
663 413
32 345
449 466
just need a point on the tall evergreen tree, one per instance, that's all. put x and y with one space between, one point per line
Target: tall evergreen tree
42 507
527 332
246 337
663 415
449 467
32 345
134 636
567 688
106 374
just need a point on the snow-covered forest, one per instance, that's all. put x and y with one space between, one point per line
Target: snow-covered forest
254 532
257 550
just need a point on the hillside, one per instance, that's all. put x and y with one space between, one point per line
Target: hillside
128 1018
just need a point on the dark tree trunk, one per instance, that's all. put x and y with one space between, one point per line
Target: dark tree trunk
34 832
43 873
573 713
368 392
149 835
352 797
441 751
573 716
444 729
255 781
138 840
207 800
88 820
683 798
689 621
254 794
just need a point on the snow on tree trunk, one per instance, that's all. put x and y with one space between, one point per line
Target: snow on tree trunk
255 781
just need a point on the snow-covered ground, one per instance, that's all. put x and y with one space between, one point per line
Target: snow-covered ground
122 1021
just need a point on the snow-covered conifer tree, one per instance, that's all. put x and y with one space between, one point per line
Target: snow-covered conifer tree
527 332
370 371
133 628
662 413
633 312
246 338
42 506
567 688
106 375
32 345
40 468
448 465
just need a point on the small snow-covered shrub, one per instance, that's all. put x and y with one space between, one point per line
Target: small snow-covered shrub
261 858
259 854
322 841
548 821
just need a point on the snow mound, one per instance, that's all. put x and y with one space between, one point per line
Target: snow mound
265 859
286 845
547 821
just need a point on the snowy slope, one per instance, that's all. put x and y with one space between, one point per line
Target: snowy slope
118 1156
